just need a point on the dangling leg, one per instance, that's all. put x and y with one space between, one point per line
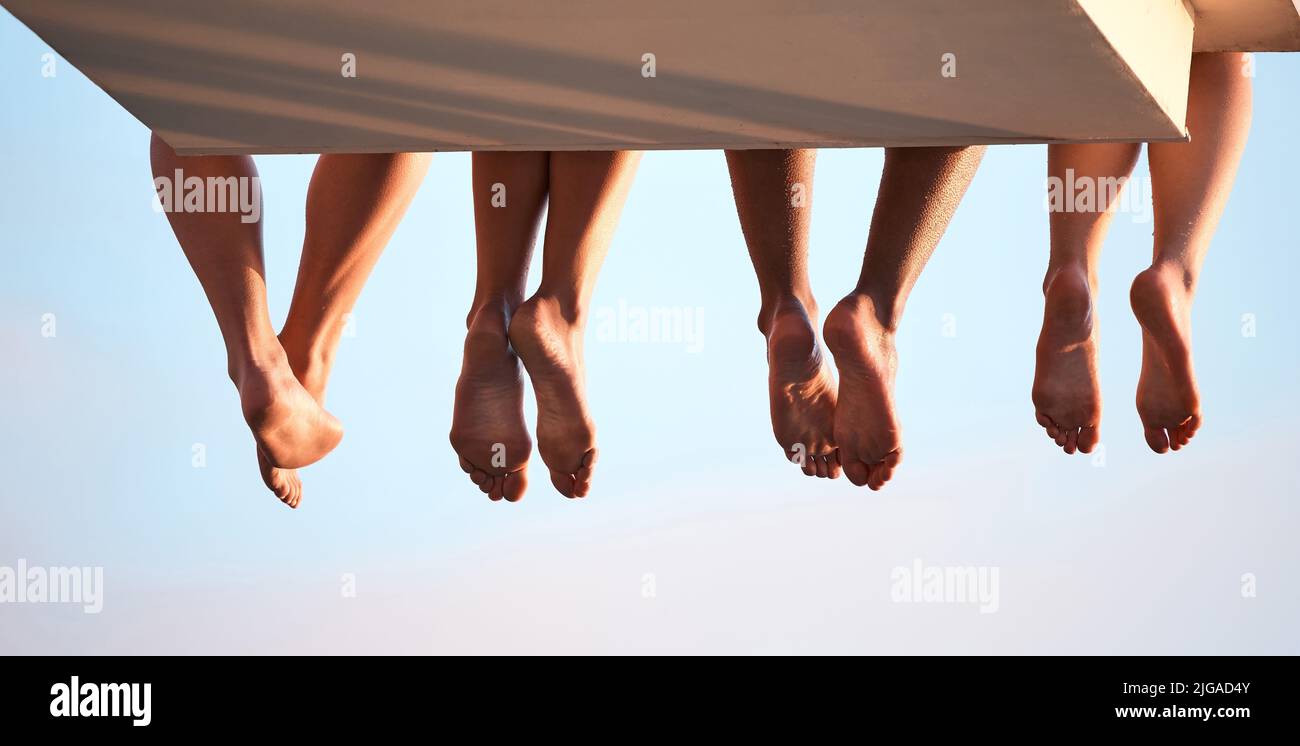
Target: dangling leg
920 189
1067 393
588 190
773 191
225 252
1190 182
488 430
354 204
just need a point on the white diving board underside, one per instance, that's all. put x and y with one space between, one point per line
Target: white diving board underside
240 76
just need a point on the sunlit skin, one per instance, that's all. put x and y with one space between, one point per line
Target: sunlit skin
827 423
1190 185
543 334
773 191
852 426
354 204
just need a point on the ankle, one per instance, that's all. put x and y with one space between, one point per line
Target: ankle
786 302
1067 303
493 304
857 323
1176 274
259 358
487 335
311 358
560 306
885 305
1073 274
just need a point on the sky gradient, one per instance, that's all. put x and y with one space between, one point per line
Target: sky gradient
697 537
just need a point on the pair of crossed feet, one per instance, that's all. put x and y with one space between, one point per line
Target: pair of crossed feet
283 405
1067 394
488 431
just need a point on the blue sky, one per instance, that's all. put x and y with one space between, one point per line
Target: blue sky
1134 552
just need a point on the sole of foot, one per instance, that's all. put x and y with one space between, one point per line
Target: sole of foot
488 431
867 435
1066 392
801 392
550 345
290 427
1168 401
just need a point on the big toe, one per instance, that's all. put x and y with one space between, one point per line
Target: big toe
1089 436
857 471
515 485
564 483
877 478
582 478
1156 438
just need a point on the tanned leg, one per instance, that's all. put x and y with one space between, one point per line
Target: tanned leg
773 191
1066 392
588 190
289 425
1190 183
920 189
354 204
488 431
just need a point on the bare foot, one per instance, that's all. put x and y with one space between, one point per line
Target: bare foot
290 427
550 346
801 390
1167 398
488 431
312 373
867 434
1066 393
